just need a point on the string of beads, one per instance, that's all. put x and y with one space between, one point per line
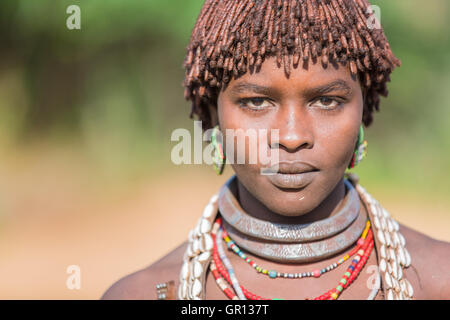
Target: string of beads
274 274
221 273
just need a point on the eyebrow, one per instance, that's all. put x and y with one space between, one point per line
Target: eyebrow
246 86
338 84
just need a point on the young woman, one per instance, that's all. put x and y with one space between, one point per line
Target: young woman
312 70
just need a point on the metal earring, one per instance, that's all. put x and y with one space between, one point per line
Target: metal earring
360 149
219 156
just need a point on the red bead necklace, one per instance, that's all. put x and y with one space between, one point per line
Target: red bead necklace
220 273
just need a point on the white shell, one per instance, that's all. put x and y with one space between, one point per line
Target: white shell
394 269
204 256
209 211
395 239
184 289
396 225
196 288
184 274
409 288
388 239
383 223
402 285
191 272
374 210
388 280
407 258
205 226
395 285
392 255
376 222
189 250
390 294
383 251
400 273
197 229
214 198
402 239
207 242
383 265
180 287
390 226
197 269
196 246
401 256
380 236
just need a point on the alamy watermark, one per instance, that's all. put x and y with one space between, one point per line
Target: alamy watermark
253 146
374 21
73 22
73 281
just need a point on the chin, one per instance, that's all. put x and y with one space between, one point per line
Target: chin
287 202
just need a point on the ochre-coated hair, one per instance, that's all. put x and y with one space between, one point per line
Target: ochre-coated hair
231 37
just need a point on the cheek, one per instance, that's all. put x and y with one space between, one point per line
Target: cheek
244 130
336 141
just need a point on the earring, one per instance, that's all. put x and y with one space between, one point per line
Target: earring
218 157
360 149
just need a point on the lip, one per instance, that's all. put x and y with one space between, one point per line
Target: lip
294 167
293 174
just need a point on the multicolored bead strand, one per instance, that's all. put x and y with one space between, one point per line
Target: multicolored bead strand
223 285
274 274
223 271
353 270
228 266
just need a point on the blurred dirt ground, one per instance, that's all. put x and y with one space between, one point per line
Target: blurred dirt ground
53 214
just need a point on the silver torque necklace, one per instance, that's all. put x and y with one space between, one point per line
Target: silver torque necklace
237 218
300 252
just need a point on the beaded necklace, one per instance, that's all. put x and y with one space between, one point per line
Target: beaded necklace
274 274
392 255
362 254
221 253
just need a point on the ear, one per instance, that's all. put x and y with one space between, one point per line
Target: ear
213 115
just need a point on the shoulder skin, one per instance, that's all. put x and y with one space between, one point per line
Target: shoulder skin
429 272
141 285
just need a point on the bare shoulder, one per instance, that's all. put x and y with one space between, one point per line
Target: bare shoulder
430 262
140 285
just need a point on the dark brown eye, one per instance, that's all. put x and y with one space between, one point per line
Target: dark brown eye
255 104
256 101
326 103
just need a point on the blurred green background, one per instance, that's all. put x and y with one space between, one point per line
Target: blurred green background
113 88
86 117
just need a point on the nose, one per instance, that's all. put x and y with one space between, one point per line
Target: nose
295 128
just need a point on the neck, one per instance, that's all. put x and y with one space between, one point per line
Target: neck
327 208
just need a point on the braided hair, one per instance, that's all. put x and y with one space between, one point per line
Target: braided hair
231 37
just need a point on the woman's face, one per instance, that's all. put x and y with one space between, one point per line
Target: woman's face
318 113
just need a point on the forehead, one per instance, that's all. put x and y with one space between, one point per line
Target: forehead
271 74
